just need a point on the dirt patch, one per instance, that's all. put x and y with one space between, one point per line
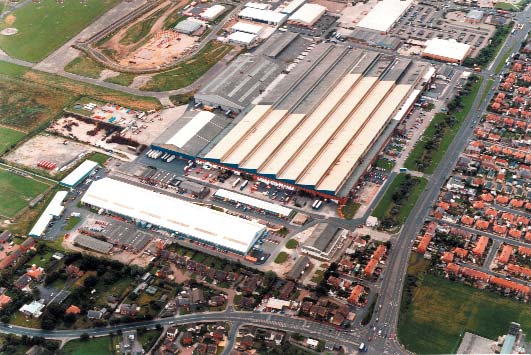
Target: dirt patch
106 74
141 80
48 148
10 19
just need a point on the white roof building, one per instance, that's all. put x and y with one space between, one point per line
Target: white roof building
242 38
213 12
254 202
197 222
448 50
247 28
264 16
258 5
292 6
34 309
383 16
79 173
189 130
54 209
308 14
278 304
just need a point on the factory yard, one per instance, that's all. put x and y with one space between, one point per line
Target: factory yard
46 147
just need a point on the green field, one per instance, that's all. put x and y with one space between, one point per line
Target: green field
505 6
439 311
432 146
85 66
281 258
45 26
100 346
17 191
8 138
350 209
398 199
72 223
385 164
292 244
189 71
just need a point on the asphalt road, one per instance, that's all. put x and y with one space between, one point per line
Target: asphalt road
391 291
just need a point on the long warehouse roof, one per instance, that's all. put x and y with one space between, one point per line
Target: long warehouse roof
173 214
251 201
54 209
319 148
79 173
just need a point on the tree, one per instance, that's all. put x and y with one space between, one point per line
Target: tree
90 281
84 337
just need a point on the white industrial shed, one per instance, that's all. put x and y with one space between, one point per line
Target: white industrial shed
447 50
242 38
53 210
189 130
307 15
201 223
247 28
272 208
292 6
258 5
187 26
384 15
213 12
79 173
265 16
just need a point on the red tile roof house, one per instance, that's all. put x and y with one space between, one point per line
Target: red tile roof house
505 254
481 244
447 257
475 274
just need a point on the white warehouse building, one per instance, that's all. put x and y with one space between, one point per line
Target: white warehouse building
146 207
213 12
269 17
307 15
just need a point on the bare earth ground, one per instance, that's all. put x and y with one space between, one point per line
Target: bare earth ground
155 125
49 148
161 48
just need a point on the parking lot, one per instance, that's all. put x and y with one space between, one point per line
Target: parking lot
423 22
318 29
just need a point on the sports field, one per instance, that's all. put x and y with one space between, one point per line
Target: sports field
17 191
439 311
9 137
100 346
45 26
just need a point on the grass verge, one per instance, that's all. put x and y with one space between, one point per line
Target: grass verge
281 258
350 209
292 244
399 199
432 146
85 66
100 346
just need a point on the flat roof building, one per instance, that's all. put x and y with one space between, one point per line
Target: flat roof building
213 12
197 222
446 50
53 210
298 268
307 15
239 83
324 241
264 16
293 6
242 38
268 207
247 28
94 244
384 15
79 174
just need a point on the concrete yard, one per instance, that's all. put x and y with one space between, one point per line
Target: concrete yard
49 148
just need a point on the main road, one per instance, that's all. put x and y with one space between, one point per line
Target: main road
388 309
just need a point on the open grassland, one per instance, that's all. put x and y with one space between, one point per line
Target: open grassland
124 79
16 191
85 66
190 70
100 346
70 88
436 312
45 26
8 138
394 207
25 105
